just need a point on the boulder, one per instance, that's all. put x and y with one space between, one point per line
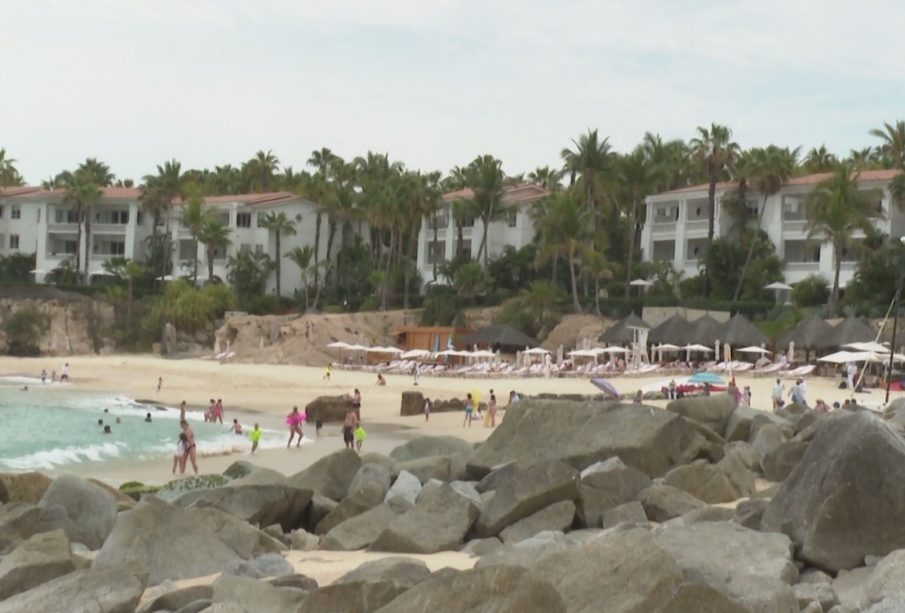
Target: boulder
404 492
494 588
525 493
558 516
439 521
165 542
328 409
124 502
582 433
821 593
713 483
467 489
259 476
843 500
178 487
767 439
404 572
353 597
42 557
606 485
738 425
749 513
254 595
662 502
481 547
412 404
173 598
18 521
628 513
746 453
379 458
753 569
527 552
301 540
238 535
711 412
24 487
697 598
707 513
330 476
106 591
261 505
453 405
83 510
625 569
319 508
781 461
367 490
497 476
243 568
444 468
886 584
298 581
273 565
430 446
362 530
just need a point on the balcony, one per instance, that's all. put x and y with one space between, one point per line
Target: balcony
803 266
794 226
108 228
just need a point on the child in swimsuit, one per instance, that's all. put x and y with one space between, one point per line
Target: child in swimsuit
179 458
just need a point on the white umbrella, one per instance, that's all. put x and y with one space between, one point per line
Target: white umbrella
871 346
357 348
641 283
415 354
697 347
537 351
583 353
667 347
483 353
753 349
778 285
616 350
338 345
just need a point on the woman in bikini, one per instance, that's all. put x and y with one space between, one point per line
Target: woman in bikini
294 421
190 450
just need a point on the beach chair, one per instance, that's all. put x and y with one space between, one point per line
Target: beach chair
801 371
769 371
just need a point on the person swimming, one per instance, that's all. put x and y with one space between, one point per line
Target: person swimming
148 418
107 430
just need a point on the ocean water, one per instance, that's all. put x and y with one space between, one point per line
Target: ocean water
51 426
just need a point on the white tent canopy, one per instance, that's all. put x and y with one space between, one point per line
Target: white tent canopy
753 349
843 357
616 350
641 283
357 348
778 285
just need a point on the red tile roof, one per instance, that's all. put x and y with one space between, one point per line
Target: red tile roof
513 195
866 176
133 193
19 190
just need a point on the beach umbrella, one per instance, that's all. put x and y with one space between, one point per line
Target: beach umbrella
852 330
622 331
779 289
740 331
670 331
338 345
537 351
605 386
357 348
706 377
415 354
867 346
754 349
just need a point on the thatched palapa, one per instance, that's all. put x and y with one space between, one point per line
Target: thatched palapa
621 332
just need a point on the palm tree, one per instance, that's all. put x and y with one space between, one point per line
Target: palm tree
818 159
214 235
157 195
124 183
320 190
486 179
192 218
547 177
893 137
770 168
836 211
864 158
9 175
129 271
279 225
97 171
564 233
301 257
590 168
260 171
714 149
637 178
81 194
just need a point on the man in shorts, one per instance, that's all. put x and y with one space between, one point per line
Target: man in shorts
349 424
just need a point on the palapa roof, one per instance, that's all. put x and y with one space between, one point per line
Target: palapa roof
621 331
503 335
740 331
704 331
852 330
812 333
672 330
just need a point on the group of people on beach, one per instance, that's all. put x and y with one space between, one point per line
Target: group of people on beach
473 409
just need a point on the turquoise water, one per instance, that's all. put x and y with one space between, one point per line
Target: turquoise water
51 426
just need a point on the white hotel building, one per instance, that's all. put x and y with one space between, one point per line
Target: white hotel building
35 220
439 235
676 226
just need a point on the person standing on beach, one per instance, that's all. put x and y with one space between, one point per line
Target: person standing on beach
469 410
236 428
159 384
43 376
356 403
255 438
427 409
349 424
179 458
190 447
492 409
415 373
360 436
294 421
328 372
218 411
182 411
64 376
778 391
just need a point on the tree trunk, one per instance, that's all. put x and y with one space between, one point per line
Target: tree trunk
386 277
483 245
210 264
78 247
277 266
195 262
331 234
741 279
433 248
711 213
575 303
305 287
460 238
317 247
87 244
631 245
317 292
837 261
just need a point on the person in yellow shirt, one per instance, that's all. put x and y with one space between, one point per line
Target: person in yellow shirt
255 438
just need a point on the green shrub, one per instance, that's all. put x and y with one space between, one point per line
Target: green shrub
813 291
23 329
441 305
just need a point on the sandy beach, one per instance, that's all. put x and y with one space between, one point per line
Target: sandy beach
265 393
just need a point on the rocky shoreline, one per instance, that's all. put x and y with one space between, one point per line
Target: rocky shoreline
571 506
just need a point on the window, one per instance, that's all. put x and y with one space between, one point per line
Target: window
187 250
64 216
39 215
512 219
245 248
69 247
13 241
2 241
436 252
15 212
139 218
259 249
468 222
243 220
1 211
438 221
119 217
260 219
117 248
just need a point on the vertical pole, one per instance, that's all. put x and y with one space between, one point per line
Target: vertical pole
892 348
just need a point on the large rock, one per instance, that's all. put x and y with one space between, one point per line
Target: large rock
767 439
558 516
328 409
18 521
713 483
24 487
238 535
412 404
362 530
886 584
166 542
368 489
430 446
497 476
754 569
262 505
844 500
443 468
526 493
404 572
106 591
440 520
43 557
746 454
330 476
628 513
606 485
256 595
582 433
352 597
404 492
779 463
527 552
738 426
711 412
663 502
83 510
626 570
489 589
168 597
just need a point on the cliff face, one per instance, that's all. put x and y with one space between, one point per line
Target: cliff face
78 325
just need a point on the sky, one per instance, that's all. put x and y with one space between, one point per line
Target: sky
434 83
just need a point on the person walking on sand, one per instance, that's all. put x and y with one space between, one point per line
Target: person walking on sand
415 373
492 409
356 403
255 437
349 423
328 372
190 447
469 410
179 457
778 391
294 421
427 409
